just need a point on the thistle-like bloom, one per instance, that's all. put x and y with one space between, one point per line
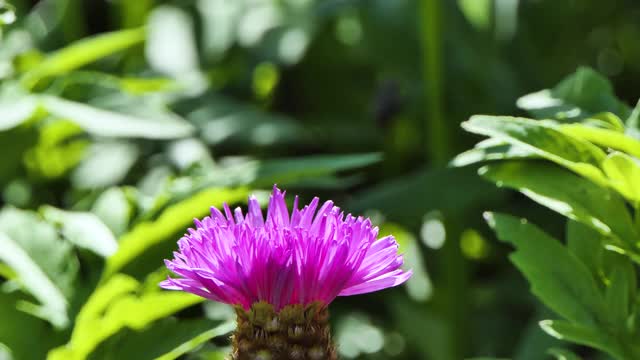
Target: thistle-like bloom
305 259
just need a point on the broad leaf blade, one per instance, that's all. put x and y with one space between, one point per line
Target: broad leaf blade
82 53
557 277
543 140
101 122
568 194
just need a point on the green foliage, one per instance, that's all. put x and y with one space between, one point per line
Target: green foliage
121 121
588 172
114 306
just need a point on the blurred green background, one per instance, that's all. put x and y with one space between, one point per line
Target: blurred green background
121 121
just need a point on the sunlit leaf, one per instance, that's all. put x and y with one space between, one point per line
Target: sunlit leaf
82 53
544 140
623 172
83 229
174 220
113 124
105 164
115 306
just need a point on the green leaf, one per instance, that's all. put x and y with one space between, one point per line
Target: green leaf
492 149
570 195
101 122
577 96
14 112
618 295
82 53
193 343
113 208
623 172
172 221
43 262
557 277
83 229
179 338
115 306
583 335
603 137
563 354
19 329
586 244
544 140
105 164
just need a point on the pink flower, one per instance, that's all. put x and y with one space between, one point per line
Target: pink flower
286 259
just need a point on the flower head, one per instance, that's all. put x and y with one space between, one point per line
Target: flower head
311 255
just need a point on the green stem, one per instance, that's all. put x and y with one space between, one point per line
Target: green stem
437 134
452 294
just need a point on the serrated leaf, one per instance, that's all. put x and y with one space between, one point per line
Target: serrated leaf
583 335
570 195
81 53
557 277
114 124
586 244
173 220
115 306
83 229
618 295
544 140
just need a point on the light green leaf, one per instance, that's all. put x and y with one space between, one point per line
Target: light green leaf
577 96
583 335
105 164
34 279
477 12
563 354
623 172
603 137
114 124
113 208
113 307
570 195
172 221
44 263
82 53
557 277
544 140
83 229
14 112
491 149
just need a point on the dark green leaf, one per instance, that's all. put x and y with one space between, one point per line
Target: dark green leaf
557 277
